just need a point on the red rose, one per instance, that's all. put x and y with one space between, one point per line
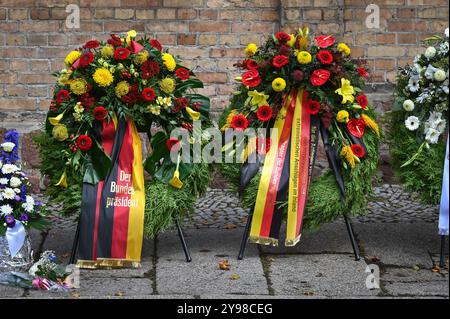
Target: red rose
148 94
173 144
180 104
61 96
313 107
263 145
283 37
92 44
320 77
155 43
279 61
86 59
149 69
356 127
324 41
239 122
264 113
84 143
325 57
114 41
358 150
121 53
86 100
251 78
182 73
362 101
100 113
251 64
362 72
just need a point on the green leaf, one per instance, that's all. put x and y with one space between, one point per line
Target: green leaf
101 162
159 151
203 100
189 84
90 175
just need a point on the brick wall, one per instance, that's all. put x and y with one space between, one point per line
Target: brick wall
209 34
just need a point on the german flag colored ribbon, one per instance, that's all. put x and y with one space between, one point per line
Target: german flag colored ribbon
112 212
286 172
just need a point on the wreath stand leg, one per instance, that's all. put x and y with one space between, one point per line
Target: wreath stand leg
442 257
183 242
245 236
351 234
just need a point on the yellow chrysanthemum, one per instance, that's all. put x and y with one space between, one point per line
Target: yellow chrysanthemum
107 51
258 98
348 155
342 116
103 77
72 57
122 89
78 86
279 84
64 77
251 49
342 47
229 119
141 57
371 123
60 132
169 62
347 91
167 85
304 57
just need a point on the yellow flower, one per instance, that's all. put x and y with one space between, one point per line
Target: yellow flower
64 77
141 57
229 119
347 153
78 108
279 84
78 86
342 47
347 91
303 33
176 181
60 132
122 89
103 77
107 51
371 123
56 120
169 61
72 57
251 49
63 180
132 34
292 41
258 98
155 109
304 57
167 85
342 116
165 102
193 114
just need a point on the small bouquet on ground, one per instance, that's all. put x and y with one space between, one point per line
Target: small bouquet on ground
48 275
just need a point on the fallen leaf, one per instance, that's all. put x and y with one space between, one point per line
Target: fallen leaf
224 265
308 293
75 294
436 268
375 259
119 294
235 277
416 268
230 226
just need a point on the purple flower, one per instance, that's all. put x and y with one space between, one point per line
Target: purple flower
10 221
17 198
23 217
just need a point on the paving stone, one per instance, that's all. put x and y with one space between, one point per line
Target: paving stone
322 275
202 276
10 292
433 288
109 287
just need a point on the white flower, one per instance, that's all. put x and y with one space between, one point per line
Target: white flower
9 193
440 125
434 117
446 32
429 73
412 123
432 135
440 75
6 210
8 146
3 181
9 169
17 191
28 207
15 181
430 52
445 86
413 84
29 200
408 105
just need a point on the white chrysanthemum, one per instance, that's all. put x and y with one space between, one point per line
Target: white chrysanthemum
29 200
432 135
15 182
440 75
430 52
6 210
408 105
9 193
412 123
28 207
4 181
8 146
9 169
413 84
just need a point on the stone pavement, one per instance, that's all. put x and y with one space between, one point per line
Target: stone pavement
398 235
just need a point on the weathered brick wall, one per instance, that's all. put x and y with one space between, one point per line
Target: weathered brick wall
208 34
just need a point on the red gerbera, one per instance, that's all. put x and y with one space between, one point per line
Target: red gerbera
86 59
182 73
91 44
362 101
100 113
149 69
362 72
356 127
173 144
121 53
313 107
283 37
251 78
319 77
114 41
279 61
155 43
148 94
358 150
239 122
61 96
324 41
325 57
263 145
264 113
251 64
84 143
